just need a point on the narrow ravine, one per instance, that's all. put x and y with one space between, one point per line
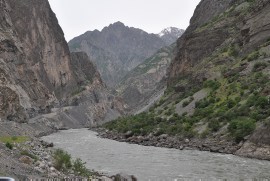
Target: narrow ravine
152 163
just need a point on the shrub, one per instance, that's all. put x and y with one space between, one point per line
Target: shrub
214 125
211 84
185 103
231 103
241 127
261 102
62 160
80 169
9 145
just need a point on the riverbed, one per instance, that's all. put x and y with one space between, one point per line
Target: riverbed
153 163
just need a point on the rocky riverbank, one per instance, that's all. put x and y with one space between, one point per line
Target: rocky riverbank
29 157
213 144
29 160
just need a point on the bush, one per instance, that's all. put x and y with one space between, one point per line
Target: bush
241 127
62 160
231 103
9 145
80 169
262 102
211 84
185 103
214 125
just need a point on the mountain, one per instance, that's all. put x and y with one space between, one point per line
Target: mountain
117 49
43 88
171 34
218 85
39 73
147 80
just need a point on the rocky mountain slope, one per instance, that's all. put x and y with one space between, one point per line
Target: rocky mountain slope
147 80
218 85
37 70
117 49
171 34
44 87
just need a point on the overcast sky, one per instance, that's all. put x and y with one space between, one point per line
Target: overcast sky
79 16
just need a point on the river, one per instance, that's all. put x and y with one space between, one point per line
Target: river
152 163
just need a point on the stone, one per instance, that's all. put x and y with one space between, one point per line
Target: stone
128 134
26 160
163 136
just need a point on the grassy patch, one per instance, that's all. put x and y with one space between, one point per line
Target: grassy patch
13 139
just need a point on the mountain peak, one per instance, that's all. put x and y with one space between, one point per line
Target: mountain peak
170 34
171 30
117 24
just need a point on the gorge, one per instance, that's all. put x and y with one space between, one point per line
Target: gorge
204 88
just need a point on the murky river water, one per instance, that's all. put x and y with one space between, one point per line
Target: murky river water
151 163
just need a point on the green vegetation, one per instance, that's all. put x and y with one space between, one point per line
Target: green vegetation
13 139
80 169
9 145
241 127
63 162
145 123
10 140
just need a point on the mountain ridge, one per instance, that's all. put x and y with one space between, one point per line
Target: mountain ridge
117 49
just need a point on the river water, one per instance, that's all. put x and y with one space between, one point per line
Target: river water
152 163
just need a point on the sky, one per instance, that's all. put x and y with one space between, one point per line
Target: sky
78 16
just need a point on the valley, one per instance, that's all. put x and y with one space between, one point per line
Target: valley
133 105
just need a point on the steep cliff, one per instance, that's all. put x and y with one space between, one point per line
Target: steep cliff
219 85
117 49
36 68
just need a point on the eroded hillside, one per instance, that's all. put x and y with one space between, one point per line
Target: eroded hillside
218 86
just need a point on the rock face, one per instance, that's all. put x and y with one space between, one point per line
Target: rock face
37 71
145 81
194 45
44 46
117 49
171 34
228 42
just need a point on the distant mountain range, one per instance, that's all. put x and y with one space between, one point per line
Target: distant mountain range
118 49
